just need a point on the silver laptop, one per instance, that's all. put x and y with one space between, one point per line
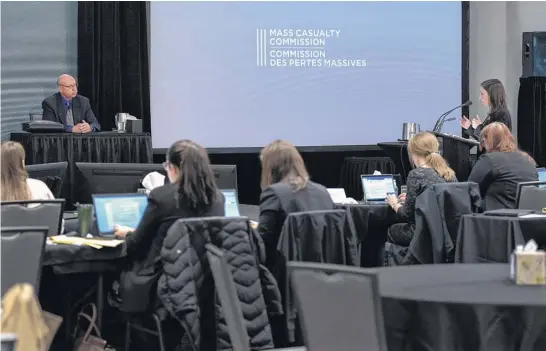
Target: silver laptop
118 209
231 206
377 187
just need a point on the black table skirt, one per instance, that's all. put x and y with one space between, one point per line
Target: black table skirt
460 307
105 147
69 259
371 223
484 238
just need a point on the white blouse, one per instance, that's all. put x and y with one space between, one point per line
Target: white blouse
40 191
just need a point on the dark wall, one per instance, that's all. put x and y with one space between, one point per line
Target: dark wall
323 167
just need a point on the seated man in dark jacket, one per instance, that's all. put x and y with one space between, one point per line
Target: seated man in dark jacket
69 108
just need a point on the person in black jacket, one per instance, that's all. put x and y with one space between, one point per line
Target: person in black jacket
286 189
430 168
492 95
499 171
69 108
192 192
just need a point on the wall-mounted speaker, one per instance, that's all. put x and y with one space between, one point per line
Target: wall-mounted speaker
533 49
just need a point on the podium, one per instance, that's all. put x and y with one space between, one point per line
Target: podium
456 151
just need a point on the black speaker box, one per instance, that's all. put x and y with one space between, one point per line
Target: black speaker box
533 49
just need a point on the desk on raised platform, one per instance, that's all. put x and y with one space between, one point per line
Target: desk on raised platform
106 147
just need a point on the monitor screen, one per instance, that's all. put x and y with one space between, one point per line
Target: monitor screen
231 205
122 209
377 187
541 176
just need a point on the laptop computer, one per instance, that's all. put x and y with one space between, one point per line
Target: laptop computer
231 206
118 209
541 176
338 195
377 187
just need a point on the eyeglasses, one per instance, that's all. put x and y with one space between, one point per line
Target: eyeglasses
73 86
166 165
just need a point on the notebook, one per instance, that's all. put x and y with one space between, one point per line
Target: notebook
118 209
377 187
231 206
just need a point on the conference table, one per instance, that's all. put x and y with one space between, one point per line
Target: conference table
105 147
461 307
487 239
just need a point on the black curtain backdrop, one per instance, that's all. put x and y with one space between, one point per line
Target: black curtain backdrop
532 117
113 59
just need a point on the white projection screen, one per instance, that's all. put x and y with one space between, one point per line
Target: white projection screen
235 75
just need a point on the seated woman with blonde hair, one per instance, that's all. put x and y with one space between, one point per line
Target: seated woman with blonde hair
430 168
16 185
501 168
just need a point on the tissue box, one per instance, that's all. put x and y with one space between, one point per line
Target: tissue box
530 268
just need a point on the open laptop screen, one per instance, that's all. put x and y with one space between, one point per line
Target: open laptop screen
118 209
541 174
231 206
377 187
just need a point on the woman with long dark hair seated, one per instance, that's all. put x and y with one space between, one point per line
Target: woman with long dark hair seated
501 168
286 189
492 95
192 192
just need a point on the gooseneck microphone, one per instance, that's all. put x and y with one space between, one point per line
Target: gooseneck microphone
441 119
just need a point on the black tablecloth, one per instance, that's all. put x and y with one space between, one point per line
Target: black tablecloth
68 259
371 223
460 307
485 238
107 147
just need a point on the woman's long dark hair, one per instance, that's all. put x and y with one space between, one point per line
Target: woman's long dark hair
196 184
497 95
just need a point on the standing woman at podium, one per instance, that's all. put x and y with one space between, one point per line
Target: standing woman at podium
492 95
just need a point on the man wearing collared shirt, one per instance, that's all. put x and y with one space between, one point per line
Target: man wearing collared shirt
69 108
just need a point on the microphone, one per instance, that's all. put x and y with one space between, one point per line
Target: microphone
441 119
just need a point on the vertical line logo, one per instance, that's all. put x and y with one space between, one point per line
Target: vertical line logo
261 47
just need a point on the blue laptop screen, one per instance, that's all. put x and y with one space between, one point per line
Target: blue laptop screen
542 176
377 187
115 210
231 206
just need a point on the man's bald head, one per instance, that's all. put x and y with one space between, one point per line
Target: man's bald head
67 86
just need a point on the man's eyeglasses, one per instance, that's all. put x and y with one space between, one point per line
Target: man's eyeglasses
73 86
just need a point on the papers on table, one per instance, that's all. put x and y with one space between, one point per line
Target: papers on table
75 240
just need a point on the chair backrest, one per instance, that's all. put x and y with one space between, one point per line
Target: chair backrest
339 307
8 342
531 196
227 293
22 251
48 213
321 236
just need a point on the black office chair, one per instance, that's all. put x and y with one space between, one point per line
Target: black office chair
48 213
22 251
531 196
340 307
227 293
231 306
